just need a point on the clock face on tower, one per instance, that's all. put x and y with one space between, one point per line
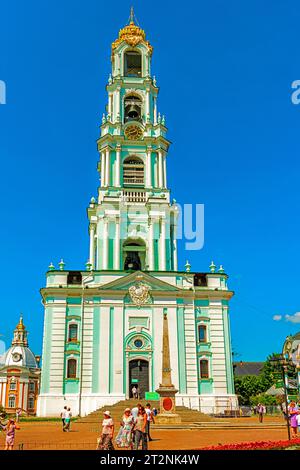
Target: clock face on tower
16 357
133 132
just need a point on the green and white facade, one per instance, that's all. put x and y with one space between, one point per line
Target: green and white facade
103 326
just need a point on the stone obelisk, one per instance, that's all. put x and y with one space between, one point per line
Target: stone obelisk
166 389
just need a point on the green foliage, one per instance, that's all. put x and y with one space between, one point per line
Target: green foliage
248 386
251 388
3 413
267 400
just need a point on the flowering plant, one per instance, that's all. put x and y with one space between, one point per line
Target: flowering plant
256 445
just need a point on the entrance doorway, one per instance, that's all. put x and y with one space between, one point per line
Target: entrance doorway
139 377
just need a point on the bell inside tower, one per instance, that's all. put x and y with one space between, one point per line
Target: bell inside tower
133 108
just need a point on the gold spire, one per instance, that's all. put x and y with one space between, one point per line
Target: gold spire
132 34
20 326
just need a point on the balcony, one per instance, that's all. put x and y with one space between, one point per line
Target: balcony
134 196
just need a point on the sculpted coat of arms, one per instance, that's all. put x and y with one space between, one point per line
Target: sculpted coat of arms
139 293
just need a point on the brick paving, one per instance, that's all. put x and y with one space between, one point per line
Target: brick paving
49 435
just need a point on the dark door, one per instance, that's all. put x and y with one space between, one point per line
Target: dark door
139 376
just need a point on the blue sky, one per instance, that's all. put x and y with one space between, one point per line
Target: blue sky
225 70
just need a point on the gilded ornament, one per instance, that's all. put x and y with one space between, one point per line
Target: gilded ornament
139 293
133 35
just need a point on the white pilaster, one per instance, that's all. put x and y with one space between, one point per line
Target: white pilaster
150 245
160 169
110 105
105 243
117 245
103 158
118 163
147 103
148 168
155 110
165 171
175 262
92 245
162 240
107 167
117 104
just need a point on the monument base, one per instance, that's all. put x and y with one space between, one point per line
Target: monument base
167 418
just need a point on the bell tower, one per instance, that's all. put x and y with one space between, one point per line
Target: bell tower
132 224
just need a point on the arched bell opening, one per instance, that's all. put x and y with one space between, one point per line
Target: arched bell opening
132 109
132 64
134 253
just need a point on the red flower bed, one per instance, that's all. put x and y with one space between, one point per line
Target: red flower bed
256 445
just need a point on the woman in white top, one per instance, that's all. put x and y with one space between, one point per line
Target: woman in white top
104 442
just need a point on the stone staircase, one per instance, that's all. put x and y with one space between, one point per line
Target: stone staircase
188 416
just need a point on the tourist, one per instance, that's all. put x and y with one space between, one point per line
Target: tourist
261 409
124 437
293 412
140 429
135 411
18 414
134 392
63 417
105 440
10 434
68 416
150 419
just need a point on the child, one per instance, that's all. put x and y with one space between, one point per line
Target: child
10 434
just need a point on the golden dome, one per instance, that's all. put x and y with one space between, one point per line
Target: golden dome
133 35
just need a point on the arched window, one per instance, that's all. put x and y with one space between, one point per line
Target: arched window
132 108
202 333
133 171
71 369
132 64
11 401
73 332
204 372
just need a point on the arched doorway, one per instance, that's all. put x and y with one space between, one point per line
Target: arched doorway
139 376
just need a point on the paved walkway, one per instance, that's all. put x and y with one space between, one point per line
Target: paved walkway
49 435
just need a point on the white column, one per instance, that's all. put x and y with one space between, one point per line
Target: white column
148 168
107 167
117 104
165 170
103 157
147 104
155 110
110 96
162 239
92 245
118 163
150 245
117 245
105 244
160 169
175 263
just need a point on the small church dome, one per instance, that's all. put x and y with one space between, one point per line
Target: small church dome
19 354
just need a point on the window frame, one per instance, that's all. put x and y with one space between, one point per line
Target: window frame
204 327
70 326
14 398
69 376
202 375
